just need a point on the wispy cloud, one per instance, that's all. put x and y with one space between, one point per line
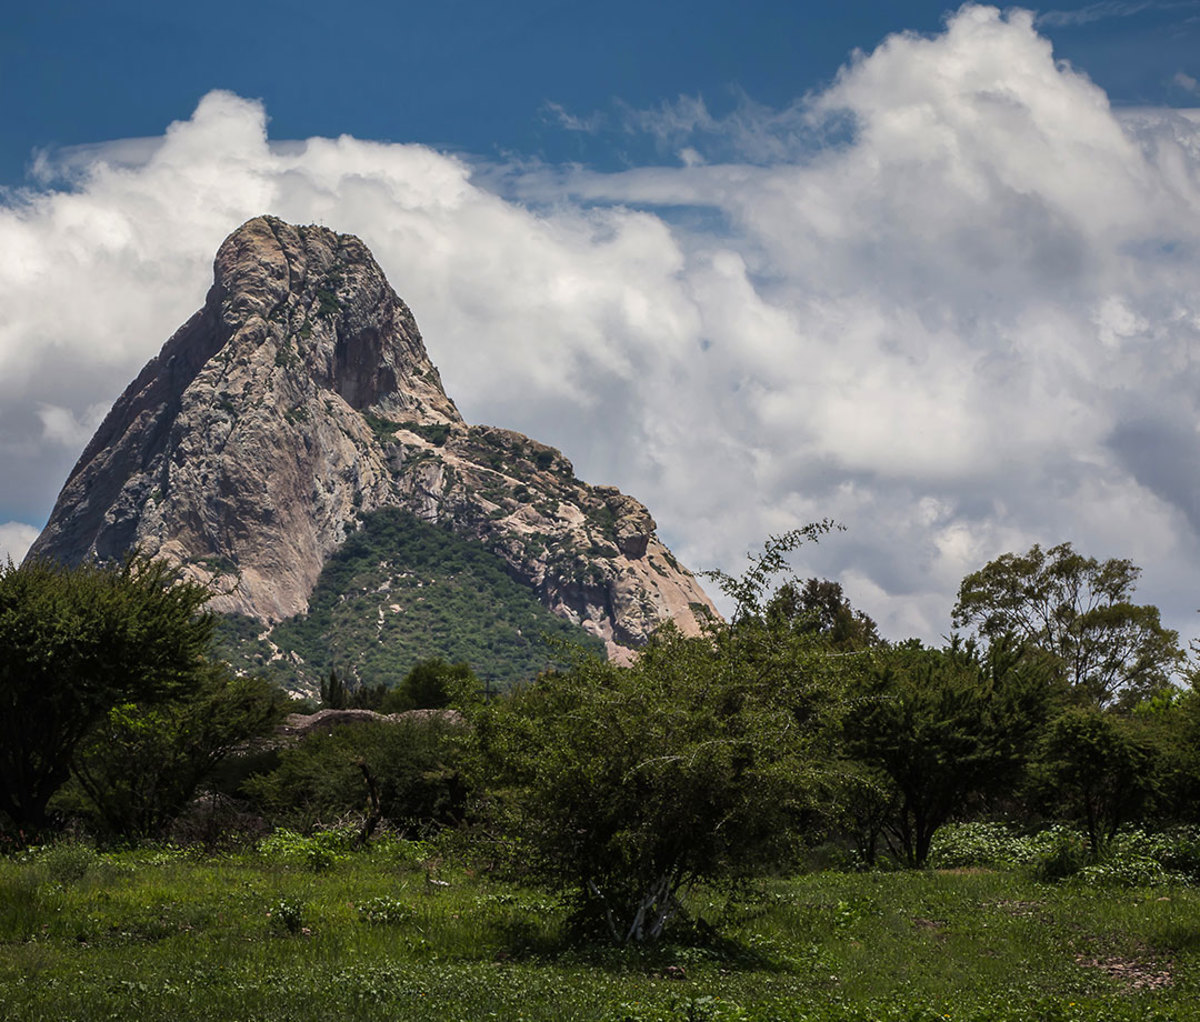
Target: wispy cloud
686 128
1105 9
1186 83
559 115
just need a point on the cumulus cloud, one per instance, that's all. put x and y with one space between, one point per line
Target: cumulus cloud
15 540
949 301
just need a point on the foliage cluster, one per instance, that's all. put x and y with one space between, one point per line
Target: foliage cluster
76 643
710 761
1133 857
409 774
400 591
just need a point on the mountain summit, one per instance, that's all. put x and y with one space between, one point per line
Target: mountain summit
299 401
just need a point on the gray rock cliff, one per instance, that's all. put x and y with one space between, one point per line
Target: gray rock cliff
301 397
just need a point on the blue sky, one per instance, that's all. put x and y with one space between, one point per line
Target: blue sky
479 76
929 271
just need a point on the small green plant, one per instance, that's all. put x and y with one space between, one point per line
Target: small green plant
67 862
319 852
435 432
287 916
285 357
384 429
328 304
384 912
1061 853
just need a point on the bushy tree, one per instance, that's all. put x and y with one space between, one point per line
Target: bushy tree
408 772
433 684
77 642
937 728
1080 612
140 766
626 784
1096 768
820 606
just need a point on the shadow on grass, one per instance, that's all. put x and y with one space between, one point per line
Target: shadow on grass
687 943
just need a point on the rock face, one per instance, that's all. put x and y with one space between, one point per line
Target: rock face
299 398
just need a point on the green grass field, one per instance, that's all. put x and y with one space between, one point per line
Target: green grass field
402 932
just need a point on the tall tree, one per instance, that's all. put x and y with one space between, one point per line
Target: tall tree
76 642
937 728
1078 610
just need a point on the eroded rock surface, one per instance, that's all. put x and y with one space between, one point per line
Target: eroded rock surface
301 397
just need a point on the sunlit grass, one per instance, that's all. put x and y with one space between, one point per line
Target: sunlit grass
384 934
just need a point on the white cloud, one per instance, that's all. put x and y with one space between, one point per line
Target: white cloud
60 425
1105 9
949 301
15 539
1184 81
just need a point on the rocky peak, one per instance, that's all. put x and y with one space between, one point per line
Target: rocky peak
301 398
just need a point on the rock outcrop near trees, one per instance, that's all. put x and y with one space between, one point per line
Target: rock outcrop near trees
299 399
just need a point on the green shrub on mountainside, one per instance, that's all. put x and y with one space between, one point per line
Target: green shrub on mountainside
399 591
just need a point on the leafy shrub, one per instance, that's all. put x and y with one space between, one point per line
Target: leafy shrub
143 764
1132 858
1059 852
959 845
318 852
67 862
1125 871
384 912
1177 850
287 916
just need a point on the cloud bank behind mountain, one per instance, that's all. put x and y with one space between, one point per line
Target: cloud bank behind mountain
953 301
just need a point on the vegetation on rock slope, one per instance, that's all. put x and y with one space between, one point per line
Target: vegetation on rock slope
399 591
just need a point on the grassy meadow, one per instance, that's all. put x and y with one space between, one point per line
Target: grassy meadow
300 928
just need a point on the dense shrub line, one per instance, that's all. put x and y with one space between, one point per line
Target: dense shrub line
709 760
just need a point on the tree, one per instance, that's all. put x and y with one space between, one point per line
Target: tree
141 765
820 606
77 642
1079 611
939 727
1098 768
623 785
414 765
333 692
433 685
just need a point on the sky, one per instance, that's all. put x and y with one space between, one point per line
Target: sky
929 271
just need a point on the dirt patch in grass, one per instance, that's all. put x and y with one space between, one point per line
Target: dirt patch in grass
1133 973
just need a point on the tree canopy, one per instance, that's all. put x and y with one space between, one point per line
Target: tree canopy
1079 611
625 784
938 727
77 642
